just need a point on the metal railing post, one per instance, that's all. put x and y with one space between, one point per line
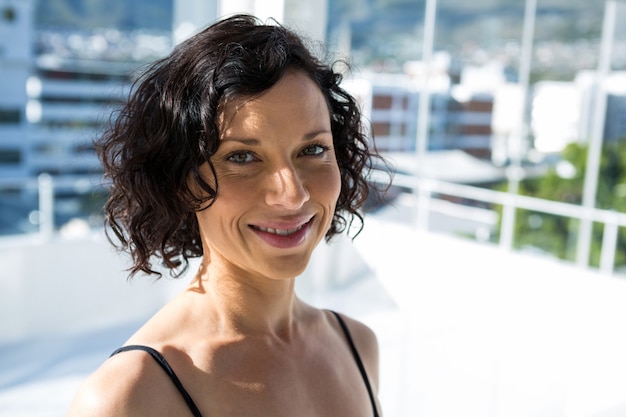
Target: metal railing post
592 167
609 245
46 205
507 223
424 195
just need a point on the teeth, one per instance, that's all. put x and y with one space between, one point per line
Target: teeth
280 232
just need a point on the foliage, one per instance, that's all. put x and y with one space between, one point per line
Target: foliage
557 235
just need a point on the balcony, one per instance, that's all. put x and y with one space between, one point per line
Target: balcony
465 328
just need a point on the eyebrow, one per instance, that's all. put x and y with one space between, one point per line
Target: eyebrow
252 141
242 140
317 133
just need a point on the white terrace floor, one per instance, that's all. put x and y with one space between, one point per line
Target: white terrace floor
464 329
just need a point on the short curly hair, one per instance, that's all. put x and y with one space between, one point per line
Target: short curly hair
156 142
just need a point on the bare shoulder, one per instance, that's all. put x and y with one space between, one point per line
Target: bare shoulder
363 336
123 386
366 343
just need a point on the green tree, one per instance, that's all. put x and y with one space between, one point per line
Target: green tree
557 235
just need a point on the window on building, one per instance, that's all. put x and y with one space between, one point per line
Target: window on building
53 74
81 100
10 156
10 116
9 15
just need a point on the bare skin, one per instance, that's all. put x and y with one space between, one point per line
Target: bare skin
240 340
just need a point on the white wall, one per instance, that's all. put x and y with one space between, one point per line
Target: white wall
499 334
69 286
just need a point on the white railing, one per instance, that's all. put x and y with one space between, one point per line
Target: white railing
46 186
426 188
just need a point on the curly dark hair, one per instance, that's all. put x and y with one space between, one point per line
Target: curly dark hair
156 142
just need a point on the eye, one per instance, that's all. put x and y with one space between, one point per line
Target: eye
314 150
241 157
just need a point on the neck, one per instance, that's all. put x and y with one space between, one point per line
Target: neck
244 304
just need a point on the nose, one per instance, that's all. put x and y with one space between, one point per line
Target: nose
286 189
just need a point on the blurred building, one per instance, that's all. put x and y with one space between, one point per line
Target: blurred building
394 111
461 108
16 33
482 112
615 127
58 89
615 123
563 112
556 115
67 105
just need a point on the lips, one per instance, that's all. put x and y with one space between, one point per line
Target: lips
282 232
284 236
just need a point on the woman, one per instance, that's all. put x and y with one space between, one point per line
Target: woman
239 147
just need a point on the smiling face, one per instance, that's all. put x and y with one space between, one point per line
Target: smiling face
278 181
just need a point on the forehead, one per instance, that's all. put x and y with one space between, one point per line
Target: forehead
294 97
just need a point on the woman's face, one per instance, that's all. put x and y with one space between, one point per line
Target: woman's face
278 181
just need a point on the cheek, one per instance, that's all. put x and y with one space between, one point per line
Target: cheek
232 199
328 186
219 222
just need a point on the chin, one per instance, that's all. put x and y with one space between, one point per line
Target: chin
286 269
291 274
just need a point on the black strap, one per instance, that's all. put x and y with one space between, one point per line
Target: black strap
358 360
168 369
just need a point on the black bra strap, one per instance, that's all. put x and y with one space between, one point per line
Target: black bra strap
168 369
358 360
